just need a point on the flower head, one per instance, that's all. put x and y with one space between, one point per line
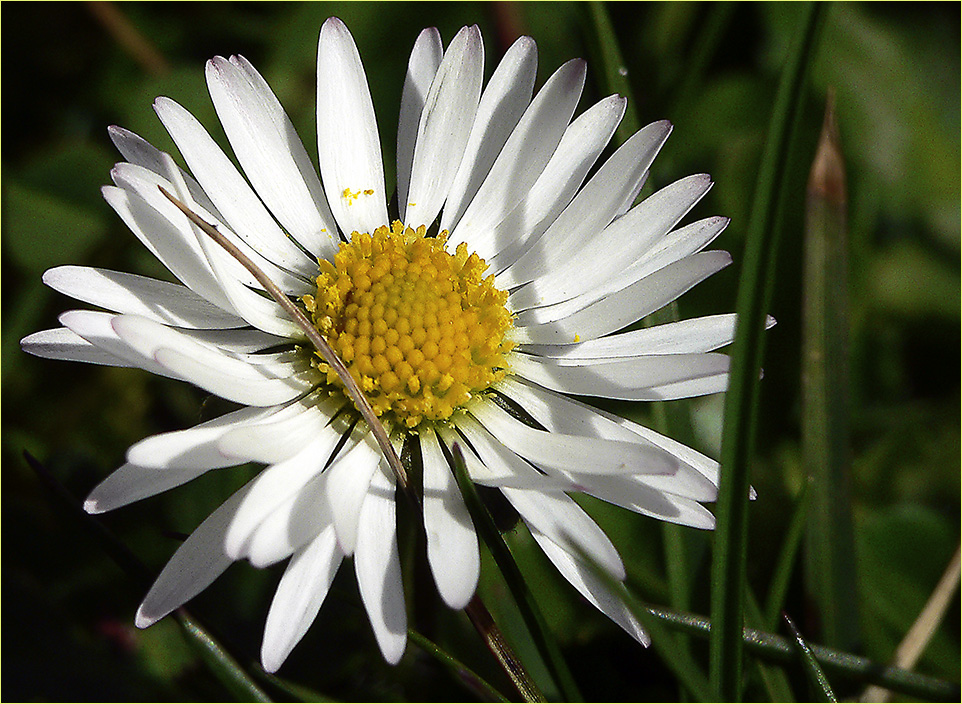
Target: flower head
505 280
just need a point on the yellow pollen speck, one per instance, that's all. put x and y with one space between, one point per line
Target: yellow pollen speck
369 191
577 338
421 330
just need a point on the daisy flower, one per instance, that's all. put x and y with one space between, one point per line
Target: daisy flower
501 286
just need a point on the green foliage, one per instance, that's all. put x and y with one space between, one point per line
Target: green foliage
712 69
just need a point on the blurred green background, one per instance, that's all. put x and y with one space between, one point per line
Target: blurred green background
69 72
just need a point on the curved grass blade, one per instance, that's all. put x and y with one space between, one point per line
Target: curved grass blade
614 73
531 614
782 575
741 401
773 677
820 684
837 663
459 670
296 692
830 577
221 663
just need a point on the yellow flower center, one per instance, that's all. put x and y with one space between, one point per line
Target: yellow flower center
419 328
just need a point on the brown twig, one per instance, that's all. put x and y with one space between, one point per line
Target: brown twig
129 37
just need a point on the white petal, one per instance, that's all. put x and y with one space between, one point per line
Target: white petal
347 137
348 480
241 383
572 452
292 524
130 483
145 184
696 477
195 448
127 293
422 67
557 515
298 598
238 341
197 563
503 102
272 487
600 257
446 122
522 159
609 191
500 467
138 151
580 146
681 337
210 369
592 588
378 568
228 190
452 543
283 435
95 327
636 495
166 241
66 345
273 157
573 320
646 378
259 310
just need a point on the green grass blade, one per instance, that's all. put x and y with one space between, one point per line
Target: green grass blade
837 663
781 577
221 663
741 402
703 49
820 684
830 576
773 678
461 672
613 77
534 621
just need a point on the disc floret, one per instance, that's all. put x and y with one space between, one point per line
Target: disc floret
421 329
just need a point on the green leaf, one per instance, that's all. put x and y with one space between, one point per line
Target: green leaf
614 71
741 402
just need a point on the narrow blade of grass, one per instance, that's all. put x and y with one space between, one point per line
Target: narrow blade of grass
781 577
830 576
773 677
461 672
221 663
741 402
820 685
530 613
614 73
837 663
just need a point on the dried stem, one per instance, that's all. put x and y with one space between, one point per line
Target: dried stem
355 393
476 610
